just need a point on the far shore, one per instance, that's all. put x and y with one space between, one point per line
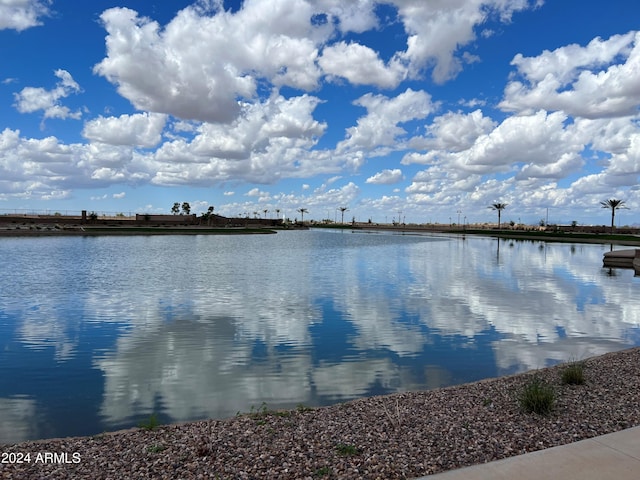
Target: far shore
88 230
66 227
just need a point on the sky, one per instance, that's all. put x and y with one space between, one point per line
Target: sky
423 111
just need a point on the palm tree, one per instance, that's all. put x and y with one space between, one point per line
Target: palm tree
302 212
499 207
342 210
614 205
265 212
209 214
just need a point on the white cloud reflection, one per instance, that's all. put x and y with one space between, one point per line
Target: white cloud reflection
209 326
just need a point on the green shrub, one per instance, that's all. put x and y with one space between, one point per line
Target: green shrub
538 397
573 374
346 450
150 424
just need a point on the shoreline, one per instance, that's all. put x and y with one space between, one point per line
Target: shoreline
87 231
66 228
401 435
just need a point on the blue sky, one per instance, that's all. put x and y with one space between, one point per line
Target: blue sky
427 110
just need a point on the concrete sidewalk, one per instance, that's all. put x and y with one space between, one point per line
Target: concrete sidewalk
611 456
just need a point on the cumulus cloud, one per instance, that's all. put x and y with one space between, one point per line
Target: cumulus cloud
595 81
380 127
538 139
436 33
203 65
33 99
386 177
48 168
141 130
206 61
22 14
269 141
355 16
454 131
360 65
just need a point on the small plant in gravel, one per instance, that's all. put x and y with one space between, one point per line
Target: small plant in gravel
573 374
302 408
259 412
156 448
346 449
321 472
537 396
150 424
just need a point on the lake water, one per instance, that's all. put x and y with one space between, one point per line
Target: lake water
98 333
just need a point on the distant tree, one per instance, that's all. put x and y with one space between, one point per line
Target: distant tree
265 212
302 212
499 207
278 212
342 210
186 208
208 214
614 205
176 208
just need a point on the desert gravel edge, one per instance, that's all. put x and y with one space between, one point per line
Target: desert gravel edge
402 435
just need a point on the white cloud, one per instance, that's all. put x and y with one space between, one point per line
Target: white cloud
254 192
386 177
380 126
455 131
360 65
596 81
138 130
335 196
268 141
437 32
33 99
536 139
354 16
22 14
204 64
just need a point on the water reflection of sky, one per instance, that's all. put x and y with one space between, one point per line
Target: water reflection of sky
98 333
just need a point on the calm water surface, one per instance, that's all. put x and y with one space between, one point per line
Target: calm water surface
98 333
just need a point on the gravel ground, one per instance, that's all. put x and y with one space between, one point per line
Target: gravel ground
397 436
